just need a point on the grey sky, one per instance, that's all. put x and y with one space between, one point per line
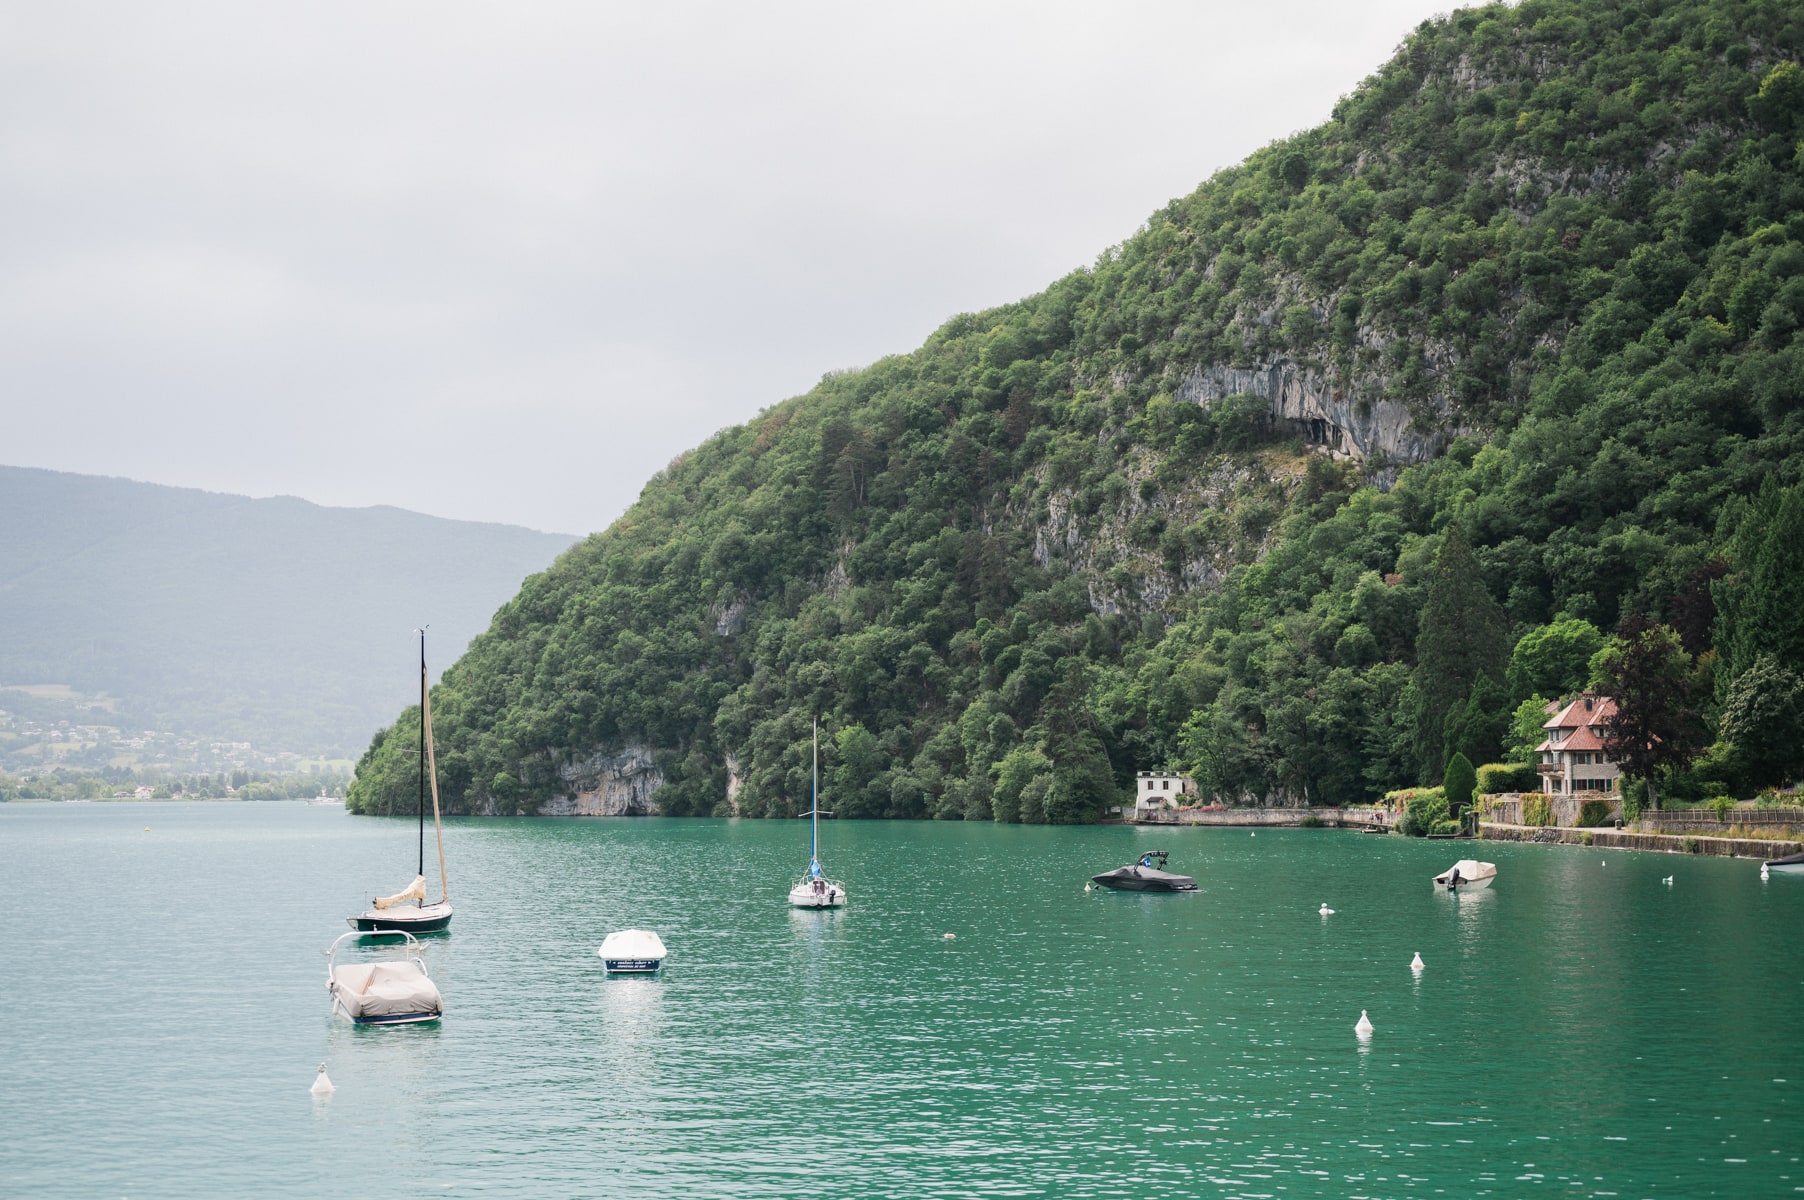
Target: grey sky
503 261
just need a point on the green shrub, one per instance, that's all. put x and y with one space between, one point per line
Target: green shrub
1634 797
1537 809
1586 838
1722 806
1495 778
1425 812
1593 813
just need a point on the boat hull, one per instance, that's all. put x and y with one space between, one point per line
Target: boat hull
803 896
1143 879
632 966
431 918
397 1019
1791 864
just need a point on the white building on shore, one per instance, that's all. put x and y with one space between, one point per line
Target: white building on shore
1155 790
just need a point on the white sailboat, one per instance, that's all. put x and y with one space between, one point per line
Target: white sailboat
814 889
395 912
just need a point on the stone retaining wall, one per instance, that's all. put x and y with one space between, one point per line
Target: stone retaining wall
1275 817
1624 839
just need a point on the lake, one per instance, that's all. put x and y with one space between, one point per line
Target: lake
1580 1027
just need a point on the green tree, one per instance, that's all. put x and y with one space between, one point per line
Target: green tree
1553 660
1764 719
1527 730
1759 608
1463 638
1458 785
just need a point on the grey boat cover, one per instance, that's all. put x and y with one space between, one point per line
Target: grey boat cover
385 989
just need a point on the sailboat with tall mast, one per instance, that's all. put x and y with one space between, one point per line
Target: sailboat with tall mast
407 909
814 889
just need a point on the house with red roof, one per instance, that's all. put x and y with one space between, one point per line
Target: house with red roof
1572 759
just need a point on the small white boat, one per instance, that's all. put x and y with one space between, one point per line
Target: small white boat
1466 873
385 991
814 889
638 951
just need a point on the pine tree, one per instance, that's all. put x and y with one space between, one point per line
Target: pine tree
1464 637
1758 606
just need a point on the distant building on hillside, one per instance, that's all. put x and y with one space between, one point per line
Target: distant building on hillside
1572 758
1154 790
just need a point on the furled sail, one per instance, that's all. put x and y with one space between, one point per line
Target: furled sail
416 891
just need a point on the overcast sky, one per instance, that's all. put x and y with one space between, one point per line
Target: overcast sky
504 261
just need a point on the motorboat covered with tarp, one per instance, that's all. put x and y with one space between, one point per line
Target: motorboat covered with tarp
632 950
386 991
1466 873
1146 875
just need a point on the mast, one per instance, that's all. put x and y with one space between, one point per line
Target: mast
814 808
438 828
422 797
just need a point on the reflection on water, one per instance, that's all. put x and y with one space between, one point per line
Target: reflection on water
1063 1044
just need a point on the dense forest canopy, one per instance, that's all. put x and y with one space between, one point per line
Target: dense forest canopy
1511 339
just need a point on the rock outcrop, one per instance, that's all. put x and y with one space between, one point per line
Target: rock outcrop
618 784
1349 418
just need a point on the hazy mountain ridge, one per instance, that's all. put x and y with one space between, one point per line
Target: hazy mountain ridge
276 621
1542 274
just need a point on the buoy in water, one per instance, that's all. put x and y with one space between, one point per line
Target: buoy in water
1325 911
1086 887
1667 881
950 937
1416 963
1763 873
1364 1028
322 1083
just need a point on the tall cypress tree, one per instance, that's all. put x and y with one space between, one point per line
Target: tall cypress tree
1463 638
1760 611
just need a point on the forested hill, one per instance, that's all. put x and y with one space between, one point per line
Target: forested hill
218 617
1520 317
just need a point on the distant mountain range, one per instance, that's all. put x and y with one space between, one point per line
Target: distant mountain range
274 621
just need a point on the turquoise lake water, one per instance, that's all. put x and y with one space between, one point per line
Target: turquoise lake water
1581 1028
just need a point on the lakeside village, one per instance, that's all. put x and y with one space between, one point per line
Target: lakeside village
1571 792
44 758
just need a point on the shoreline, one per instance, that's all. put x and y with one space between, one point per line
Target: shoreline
1627 839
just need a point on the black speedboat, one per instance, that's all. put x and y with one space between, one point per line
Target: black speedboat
1790 863
1147 875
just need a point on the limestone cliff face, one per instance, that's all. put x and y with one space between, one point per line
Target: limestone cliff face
1351 419
615 784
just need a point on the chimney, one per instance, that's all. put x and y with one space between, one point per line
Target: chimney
1590 701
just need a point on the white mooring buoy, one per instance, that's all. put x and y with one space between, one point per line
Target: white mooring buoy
1763 873
1364 1028
950 937
1667 881
1416 964
322 1083
1325 911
